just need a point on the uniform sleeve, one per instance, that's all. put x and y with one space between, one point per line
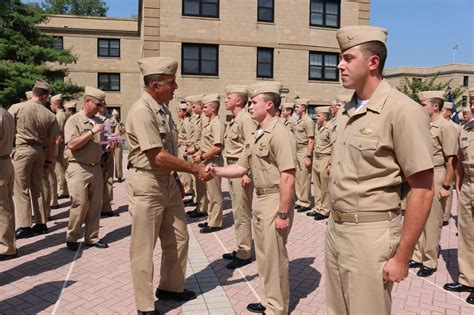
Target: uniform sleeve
412 140
70 130
244 156
309 126
61 122
283 148
450 143
144 127
53 130
218 132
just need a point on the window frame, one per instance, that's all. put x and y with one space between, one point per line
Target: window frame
273 12
465 81
200 14
58 38
324 14
272 50
108 48
323 66
109 74
200 46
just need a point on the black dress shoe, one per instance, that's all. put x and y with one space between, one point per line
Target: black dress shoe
109 214
311 213
8 257
99 244
256 308
74 246
319 217
297 207
186 295
40 229
23 233
189 203
470 298
457 287
155 312
120 180
230 256
202 225
425 272
54 207
197 214
445 223
303 209
63 196
414 264
237 263
209 229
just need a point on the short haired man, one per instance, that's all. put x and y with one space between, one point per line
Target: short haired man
287 110
57 106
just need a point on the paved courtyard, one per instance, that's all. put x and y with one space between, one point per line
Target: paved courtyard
47 278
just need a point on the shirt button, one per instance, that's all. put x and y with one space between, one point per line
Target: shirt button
344 143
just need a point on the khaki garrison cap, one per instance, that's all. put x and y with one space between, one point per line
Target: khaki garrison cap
350 36
426 95
302 101
263 87
448 105
182 106
57 97
194 98
322 109
29 94
115 112
287 105
95 93
70 104
41 84
236 89
157 65
211 98
471 93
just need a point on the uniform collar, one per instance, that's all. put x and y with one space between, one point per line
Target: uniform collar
376 101
84 118
469 125
151 102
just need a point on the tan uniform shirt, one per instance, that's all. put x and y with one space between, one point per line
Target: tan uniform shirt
322 140
444 138
7 132
152 127
268 152
77 125
212 134
35 124
61 118
238 131
386 141
303 129
290 124
466 147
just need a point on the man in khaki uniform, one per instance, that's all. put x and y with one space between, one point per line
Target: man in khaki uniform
36 132
445 148
238 131
304 135
464 187
287 114
155 201
7 222
60 162
210 150
367 245
70 108
271 156
118 130
82 136
184 127
322 155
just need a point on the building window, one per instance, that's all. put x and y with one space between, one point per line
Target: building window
109 81
323 66
325 13
417 81
465 81
464 101
266 10
200 59
264 62
58 42
204 8
108 47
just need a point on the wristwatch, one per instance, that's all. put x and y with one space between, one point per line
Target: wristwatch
446 187
283 215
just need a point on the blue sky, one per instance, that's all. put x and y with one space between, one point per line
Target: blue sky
421 32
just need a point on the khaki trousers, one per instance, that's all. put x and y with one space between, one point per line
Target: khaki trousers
427 247
28 162
322 201
118 162
355 257
214 196
7 209
201 194
46 187
60 170
303 179
449 205
53 184
107 165
85 185
242 212
271 253
466 233
157 210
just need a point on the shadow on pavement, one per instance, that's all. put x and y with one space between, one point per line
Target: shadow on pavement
304 279
450 256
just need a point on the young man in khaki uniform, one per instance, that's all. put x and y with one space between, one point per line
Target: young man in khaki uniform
118 130
82 136
322 155
155 201
271 156
465 189
287 110
35 141
382 139
210 150
238 131
60 163
184 127
7 210
70 108
304 135
445 148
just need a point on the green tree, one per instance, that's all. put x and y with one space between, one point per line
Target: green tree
27 55
413 86
76 7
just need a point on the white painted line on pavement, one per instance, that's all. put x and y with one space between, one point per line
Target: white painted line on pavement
56 306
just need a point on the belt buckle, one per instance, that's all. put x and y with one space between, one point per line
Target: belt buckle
337 216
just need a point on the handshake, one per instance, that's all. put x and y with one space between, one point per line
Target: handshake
205 172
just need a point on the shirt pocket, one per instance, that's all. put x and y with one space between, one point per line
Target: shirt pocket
262 152
362 154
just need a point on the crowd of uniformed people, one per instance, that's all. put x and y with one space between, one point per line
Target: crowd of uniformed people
383 170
